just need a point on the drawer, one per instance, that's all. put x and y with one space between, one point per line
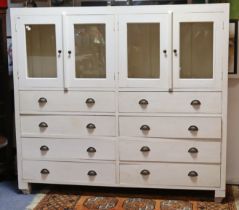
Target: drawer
165 102
68 149
171 151
67 126
170 174
171 127
70 101
69 172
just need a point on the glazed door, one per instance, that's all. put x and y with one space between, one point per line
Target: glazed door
90 47
39 51
197 51
144 50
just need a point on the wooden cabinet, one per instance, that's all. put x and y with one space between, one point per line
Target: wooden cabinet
121 95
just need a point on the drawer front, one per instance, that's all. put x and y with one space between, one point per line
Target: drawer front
75 101
69 172
67 126
176 102
171 127
170 151
68 149
167 174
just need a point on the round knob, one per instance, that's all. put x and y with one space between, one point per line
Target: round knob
69 52
44 148
145 172
145 149
43 125
143 102
165 52
91 150
193 128
193 150
195 103
91 173
42 100
90 101
175 52
45 171
144 128
193 174
90 126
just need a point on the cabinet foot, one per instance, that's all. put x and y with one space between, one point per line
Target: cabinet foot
25 188
219 196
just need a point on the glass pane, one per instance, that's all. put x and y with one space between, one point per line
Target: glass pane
90 51
196 50
143 50
41 51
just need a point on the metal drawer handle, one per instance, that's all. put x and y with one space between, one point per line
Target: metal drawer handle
144 128
193 150
42 100
91 173
91 150
193 174
145 172
90 126
143 102
195 103
45 171
90 101
44 148
43 125
193 128
145 149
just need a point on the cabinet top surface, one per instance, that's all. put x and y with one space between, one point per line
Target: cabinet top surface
122 9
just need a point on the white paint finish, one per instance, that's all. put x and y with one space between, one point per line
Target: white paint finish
171 127
69 40
175 102
161 82
170 174
68 149
24 80
69 171
215 82
68 101
67 126
211 120
166 150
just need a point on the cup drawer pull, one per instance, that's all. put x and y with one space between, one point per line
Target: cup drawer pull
145 172
193 174
42 100
44 148
90 101
45 171
145 149
144 128
91 173
90 126
143 102
193 128
193 150
91 150
43 125
195 103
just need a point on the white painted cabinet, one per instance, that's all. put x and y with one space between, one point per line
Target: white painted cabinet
118 95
